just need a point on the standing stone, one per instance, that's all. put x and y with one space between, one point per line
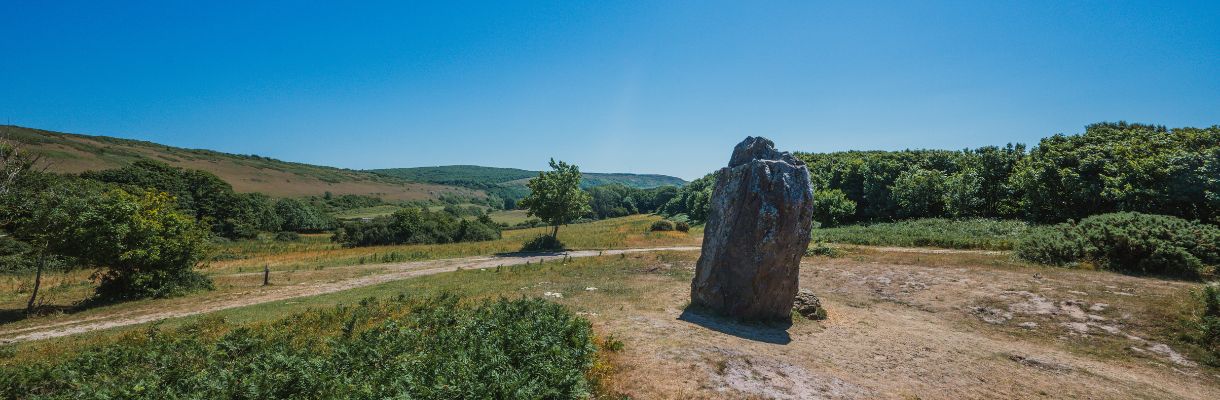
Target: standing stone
758 227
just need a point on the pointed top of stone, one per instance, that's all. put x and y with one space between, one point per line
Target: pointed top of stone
758 148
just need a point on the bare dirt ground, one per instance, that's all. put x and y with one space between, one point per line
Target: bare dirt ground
916 326
390 272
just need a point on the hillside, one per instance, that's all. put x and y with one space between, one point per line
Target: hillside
511 181
73 153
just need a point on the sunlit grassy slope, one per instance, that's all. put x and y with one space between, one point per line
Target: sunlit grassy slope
65 152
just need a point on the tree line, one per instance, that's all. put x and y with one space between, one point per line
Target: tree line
1110 167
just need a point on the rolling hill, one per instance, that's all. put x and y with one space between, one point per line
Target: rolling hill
73 153
510 182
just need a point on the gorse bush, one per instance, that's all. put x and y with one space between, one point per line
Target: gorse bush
433 349
661 225
976 233
682 226
1205 323
1128 242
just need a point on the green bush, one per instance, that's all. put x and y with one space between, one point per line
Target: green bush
416 226
1206 321
1128 242
682 226
989 234
543 243
832 207
435 349
287 236
662 226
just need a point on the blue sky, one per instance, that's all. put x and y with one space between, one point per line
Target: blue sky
651 87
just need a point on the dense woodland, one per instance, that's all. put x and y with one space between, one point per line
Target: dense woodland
1111 167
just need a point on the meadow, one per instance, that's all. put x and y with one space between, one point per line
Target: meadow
980 233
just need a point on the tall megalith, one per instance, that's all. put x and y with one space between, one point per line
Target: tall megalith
758 227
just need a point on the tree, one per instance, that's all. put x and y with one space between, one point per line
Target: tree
296 216
920 193
555 196
832 207
13 164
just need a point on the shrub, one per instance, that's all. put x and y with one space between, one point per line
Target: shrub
1206 321
682 226
287 236
416 226
990 234
1128 242
662 226
832 207
434 349
543 243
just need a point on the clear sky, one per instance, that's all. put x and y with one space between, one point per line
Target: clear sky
651 87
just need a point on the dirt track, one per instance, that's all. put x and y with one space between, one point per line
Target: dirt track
395 271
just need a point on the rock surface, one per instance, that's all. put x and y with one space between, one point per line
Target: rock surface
808 305
758 227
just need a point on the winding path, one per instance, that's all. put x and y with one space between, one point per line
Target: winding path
393 272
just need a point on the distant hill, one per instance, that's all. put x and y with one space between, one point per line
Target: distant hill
510 182
73 153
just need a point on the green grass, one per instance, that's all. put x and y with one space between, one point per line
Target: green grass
511 217
367 212
986 234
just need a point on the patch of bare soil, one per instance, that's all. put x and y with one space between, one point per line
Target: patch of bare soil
914 330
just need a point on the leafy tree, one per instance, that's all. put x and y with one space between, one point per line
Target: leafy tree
1121 167
202 194
297 216
147 248
555 196
963 195
416 226
692 199
832 207
919 193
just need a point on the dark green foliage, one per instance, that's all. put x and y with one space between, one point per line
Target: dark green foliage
287 236
682 226
508 184
1128 242
832 207
662 226
1205 321
298 216
617 200
331 203
821 249
436 349
886 185
209 199
977 233
692 200
1123 167
416 226
543 243
555 196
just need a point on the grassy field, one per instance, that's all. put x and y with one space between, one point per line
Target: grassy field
367 212
65 152
983 234
511 217
238 264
